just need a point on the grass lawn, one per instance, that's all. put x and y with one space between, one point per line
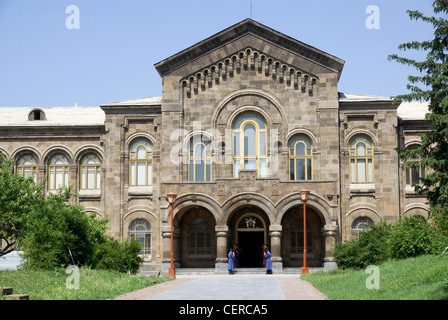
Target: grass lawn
93 284
421 278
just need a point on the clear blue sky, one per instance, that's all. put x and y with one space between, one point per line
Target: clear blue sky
111 56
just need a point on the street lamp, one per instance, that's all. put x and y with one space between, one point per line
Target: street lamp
304 197
171 199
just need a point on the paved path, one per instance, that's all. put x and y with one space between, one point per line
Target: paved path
229 287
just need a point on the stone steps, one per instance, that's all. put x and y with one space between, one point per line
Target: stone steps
7 292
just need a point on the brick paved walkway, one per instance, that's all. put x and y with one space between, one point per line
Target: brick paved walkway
215 287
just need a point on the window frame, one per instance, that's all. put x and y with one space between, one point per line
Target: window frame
356 158
52 171
147 234
422 171
193 158
97 172
307 156
20 167
240 156
133 160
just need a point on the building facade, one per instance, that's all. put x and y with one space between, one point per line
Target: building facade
247 118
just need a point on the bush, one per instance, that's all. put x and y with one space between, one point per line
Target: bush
369 248
411 237
57 232
121 257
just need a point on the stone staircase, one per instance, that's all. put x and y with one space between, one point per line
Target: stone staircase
7 292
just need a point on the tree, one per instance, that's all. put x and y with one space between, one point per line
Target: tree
430 85
18 195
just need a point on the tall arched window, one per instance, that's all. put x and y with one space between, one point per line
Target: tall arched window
58 172
140 229
300 159
200 159
90 172
250 144
27 166
140 163
361 160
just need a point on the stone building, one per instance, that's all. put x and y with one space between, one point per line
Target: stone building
247 118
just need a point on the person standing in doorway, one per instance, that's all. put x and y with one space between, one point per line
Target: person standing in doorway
231 256
267 256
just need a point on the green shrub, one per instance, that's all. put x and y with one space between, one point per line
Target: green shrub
411 237
369 248
116 256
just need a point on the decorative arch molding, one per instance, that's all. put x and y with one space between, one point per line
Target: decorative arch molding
316 202
94 210
414 207
412 142
362 212
189 200
304 132
26 149
137 135
248 60
3 151
59 148
248 92
144 212
243 200
90 148
188 136
361 132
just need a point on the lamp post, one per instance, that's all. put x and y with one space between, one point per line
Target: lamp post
304 197
171 199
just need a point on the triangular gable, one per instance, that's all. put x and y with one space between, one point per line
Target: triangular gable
258 31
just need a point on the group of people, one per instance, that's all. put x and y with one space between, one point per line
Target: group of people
233 259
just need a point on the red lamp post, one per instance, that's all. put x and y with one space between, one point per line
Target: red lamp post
304 197
171 199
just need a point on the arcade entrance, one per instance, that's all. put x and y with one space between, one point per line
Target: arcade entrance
250 235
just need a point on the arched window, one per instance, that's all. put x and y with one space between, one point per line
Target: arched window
200 237
140 163
250 144
414 175
58 172
27 166
361 160
300 159
360 224
200 159
140 229
90 172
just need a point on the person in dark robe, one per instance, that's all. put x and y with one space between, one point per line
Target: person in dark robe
267 256
231 256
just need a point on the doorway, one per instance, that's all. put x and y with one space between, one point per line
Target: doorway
250 235
251 249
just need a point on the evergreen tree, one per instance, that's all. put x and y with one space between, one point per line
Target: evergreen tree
430 85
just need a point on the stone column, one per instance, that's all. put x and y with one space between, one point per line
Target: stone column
166 244
275 233
222 233
330 231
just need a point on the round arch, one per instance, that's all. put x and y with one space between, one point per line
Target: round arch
248 92
319 204
245 199
186 201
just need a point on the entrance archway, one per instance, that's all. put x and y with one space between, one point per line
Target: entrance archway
250 233
197 238
292 238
